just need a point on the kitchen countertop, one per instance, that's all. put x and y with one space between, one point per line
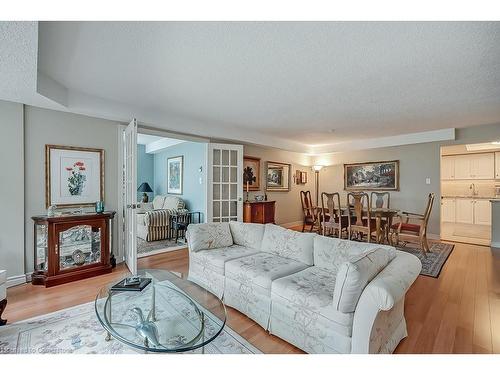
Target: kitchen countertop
470 196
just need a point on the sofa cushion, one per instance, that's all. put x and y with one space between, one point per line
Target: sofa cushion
331 253
247 234
311 291
158 202
261 269
215 259
173 203
355 274
208 236
288 243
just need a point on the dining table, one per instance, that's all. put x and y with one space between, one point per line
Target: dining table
380 214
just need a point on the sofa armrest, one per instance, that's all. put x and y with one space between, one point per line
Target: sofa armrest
382 295
157 218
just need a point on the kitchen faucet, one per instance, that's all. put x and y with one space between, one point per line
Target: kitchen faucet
473 188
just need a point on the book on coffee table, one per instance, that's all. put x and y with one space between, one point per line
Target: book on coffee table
135 286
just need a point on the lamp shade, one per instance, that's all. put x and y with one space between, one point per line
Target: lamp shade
145 188
316 168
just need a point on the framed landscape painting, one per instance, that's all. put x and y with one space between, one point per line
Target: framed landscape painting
74 176
251 173
277 176
381 175
175 174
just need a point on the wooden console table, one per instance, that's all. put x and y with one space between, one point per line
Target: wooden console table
71 247
261 212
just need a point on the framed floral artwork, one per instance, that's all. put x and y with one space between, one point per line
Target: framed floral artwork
74 176
174 174
251 173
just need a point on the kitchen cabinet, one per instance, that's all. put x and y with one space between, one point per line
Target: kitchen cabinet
448 210
482 166
482 212
448 167
471 167
464 211
497 165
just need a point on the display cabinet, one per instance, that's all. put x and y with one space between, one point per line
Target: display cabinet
71 247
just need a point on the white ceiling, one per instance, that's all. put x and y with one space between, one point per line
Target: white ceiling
145 139
284 84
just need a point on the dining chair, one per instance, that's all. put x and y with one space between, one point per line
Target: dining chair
406 230
310 212
359 215
331 218
380 199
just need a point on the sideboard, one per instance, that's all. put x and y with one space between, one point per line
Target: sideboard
259 212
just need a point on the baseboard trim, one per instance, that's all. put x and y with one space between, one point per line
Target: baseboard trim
495 245
159 251
15 280
291 225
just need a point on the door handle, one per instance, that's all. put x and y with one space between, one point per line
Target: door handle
132 206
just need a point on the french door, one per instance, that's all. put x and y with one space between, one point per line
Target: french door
225 183
130 195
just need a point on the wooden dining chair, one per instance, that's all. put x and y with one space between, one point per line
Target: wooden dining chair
331 219
416 230
359 215
380 199
310 212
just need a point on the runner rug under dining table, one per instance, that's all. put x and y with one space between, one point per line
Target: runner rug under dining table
433 263
77 330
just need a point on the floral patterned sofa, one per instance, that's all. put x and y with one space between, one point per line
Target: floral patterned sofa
323 295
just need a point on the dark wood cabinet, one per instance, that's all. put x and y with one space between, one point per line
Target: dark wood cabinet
71 247
259 212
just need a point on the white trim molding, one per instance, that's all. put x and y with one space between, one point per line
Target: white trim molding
16 280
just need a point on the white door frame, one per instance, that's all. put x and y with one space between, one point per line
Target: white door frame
130 188
120 253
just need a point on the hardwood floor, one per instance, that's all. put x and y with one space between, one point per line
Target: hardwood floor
459 312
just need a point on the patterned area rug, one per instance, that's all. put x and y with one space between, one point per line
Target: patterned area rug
144 247
435 260
77 330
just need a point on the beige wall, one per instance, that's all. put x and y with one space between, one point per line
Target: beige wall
288 207
12 189
43 127
417 162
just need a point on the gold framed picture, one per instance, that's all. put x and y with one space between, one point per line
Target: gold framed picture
251 173
379 175
277 176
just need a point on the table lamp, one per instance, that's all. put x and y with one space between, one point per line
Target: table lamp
145 188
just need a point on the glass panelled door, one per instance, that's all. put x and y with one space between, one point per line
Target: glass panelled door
225 182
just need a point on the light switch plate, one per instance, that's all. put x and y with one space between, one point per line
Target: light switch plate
428 180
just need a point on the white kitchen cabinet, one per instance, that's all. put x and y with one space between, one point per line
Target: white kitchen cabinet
462 167
448 210
497 165
464 211
448 167
482 212
482 166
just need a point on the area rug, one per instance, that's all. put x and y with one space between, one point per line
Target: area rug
77 330
435 260
144 247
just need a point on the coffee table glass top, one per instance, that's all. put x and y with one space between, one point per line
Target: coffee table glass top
170 315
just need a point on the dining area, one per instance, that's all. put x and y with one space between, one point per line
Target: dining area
363 216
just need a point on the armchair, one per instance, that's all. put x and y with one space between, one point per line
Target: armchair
414 230
153 219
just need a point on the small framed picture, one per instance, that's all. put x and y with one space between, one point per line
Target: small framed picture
251 173
303 177
277 176
74 176
175 167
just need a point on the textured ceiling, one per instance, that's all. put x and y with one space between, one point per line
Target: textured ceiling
288 84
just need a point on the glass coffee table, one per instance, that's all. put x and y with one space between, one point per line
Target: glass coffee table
169 315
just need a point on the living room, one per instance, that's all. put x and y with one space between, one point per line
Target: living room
220 193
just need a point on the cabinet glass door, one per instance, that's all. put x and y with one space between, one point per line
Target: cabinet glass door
41 247
79 246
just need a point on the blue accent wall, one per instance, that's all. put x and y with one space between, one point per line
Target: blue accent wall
195 155
145 171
